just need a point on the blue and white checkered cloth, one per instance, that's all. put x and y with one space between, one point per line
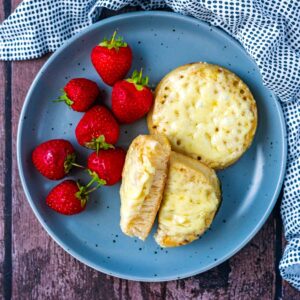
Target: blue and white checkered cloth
269 30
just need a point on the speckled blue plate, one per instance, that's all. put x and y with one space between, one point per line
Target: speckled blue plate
161 41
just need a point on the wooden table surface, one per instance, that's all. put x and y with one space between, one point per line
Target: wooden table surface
33 266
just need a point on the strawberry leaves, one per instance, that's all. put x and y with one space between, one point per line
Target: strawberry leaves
81 194
138 80
99 143
115 42
68 164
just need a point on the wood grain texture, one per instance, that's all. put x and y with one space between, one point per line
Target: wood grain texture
253 269
3 85
2 173
2 167
42 270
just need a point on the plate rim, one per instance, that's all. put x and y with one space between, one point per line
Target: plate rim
81 258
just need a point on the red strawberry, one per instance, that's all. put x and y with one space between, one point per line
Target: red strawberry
69 197
131 98
79 94
54 158
112 59
107 164
97 129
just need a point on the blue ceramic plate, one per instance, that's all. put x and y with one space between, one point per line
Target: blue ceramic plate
161 41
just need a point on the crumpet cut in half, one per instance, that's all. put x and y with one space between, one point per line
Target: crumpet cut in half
143 181
190 201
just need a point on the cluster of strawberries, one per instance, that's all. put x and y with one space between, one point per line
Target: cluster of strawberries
98 129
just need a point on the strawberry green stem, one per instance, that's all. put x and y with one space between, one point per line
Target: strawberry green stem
113 37
64 98
95 178
58 100
91 182
93 189
77 165
83 191
97 148
140 75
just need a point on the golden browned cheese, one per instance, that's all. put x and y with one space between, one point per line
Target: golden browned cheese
143 181
207 113
191 199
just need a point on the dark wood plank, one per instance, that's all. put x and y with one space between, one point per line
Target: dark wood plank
3 189
253 273
40 268
2 172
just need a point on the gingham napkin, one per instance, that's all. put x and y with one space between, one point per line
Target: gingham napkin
269 30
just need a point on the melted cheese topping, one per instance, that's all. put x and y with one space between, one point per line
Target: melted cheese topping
206 112
137 183
188 207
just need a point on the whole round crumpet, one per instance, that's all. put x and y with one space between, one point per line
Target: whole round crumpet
206 111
